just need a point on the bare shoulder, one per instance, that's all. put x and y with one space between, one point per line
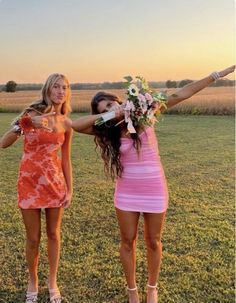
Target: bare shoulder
67 123
32 113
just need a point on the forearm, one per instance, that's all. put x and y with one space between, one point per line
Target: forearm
194 87
67 171
189 90
8 139
84 123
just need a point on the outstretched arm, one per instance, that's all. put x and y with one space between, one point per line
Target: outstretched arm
85 124
190 89
14 133
9 138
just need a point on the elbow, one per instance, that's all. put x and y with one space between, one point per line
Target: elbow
77 128
74 127
4 143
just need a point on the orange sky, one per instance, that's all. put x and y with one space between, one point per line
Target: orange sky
96 41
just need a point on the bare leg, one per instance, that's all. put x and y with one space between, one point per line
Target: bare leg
153 230
53 220
31 218
128 223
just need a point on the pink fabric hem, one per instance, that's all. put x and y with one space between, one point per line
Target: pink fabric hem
143 211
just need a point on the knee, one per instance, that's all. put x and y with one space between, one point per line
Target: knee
153 243
33 242
128 243
53 235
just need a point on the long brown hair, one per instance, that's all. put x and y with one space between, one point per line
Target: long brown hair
44 104
108 137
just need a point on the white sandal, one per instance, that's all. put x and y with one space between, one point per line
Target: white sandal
55 295
132 289
152 286
31 297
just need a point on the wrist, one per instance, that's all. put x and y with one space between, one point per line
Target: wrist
16 129
108 116
215 76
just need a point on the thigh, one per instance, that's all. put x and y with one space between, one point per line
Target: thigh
53 218
128 223
32 222
153 225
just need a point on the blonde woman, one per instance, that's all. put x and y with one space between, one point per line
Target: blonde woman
45 180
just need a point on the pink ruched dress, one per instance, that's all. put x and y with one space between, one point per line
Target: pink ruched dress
142 186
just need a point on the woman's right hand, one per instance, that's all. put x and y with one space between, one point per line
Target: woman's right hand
42 121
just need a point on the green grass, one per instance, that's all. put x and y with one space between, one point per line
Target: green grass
198 257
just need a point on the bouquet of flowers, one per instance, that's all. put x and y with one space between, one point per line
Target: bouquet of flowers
142 106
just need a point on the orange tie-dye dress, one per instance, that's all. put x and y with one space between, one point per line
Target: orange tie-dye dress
41 182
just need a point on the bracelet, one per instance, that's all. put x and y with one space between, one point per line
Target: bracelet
17 130
108 116
215 75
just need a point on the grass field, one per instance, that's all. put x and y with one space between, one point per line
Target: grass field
198 257
210 101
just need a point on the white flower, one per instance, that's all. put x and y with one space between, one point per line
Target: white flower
133 90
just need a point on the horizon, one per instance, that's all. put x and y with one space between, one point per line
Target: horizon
102 82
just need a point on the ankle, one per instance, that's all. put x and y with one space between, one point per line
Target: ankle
32 285
132 288
52 284
152 286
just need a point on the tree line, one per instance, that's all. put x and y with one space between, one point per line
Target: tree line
12 86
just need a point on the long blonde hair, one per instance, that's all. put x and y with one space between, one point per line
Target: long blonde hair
45 105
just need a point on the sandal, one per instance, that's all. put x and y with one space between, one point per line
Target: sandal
132 289
154 287
55 296
31 297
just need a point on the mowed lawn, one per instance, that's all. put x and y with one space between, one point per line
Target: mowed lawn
198 241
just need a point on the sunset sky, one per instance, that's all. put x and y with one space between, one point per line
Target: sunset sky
104 40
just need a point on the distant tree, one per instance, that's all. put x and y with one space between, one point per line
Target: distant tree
184 82
170 84
11 86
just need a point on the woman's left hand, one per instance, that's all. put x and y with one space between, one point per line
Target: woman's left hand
227 71
119 111
67 201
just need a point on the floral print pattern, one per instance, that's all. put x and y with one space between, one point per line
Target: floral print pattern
41 183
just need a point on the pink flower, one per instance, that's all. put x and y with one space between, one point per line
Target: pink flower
149 98
141 98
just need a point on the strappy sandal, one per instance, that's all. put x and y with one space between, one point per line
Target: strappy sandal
31 297
132 289
153 287
55 296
